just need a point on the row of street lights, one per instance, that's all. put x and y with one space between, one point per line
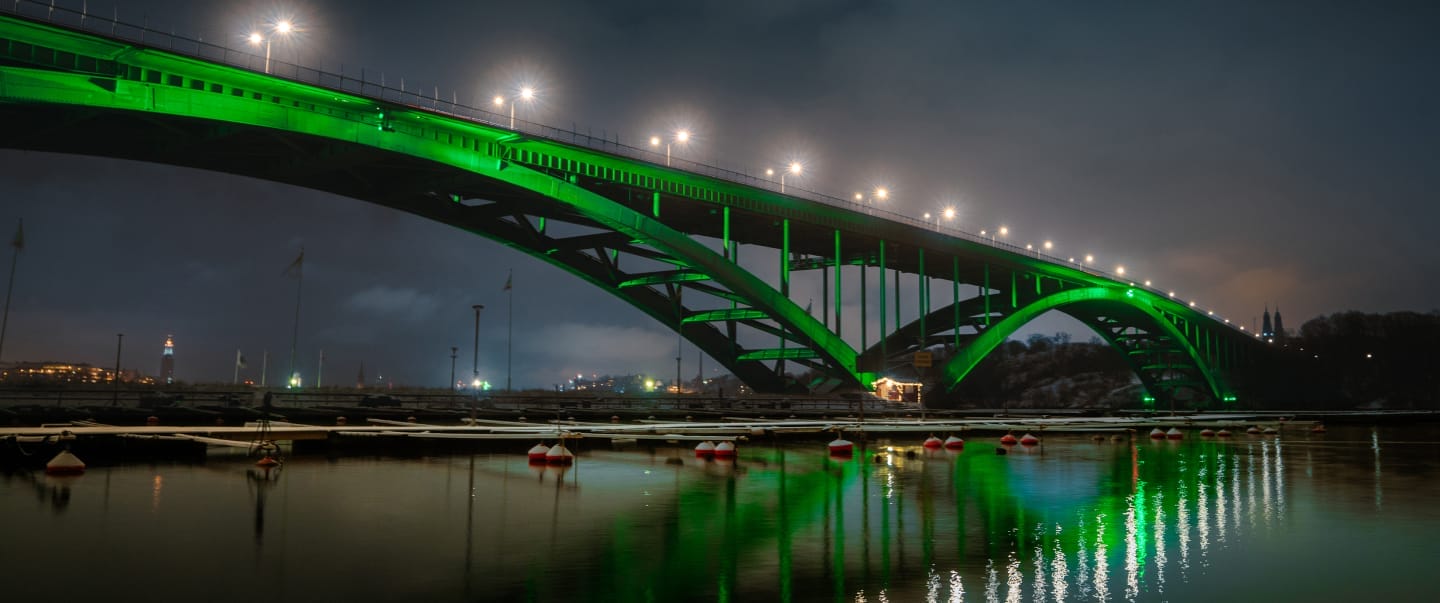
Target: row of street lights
284 29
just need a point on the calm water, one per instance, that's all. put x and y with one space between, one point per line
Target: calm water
1345 516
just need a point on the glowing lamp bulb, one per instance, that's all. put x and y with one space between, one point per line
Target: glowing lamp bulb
654 141
795 167
527 93
499 101
283 27
682 136
256 38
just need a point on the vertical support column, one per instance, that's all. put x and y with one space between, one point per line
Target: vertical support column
784 284
883 267
1014 291
838 300
987 295
955 297
922 283
825 294
655 207
864 339
724 230
898 324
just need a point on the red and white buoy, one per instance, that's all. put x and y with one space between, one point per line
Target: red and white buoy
933 442
1009 439
1253 430
1156 434
1029 440
1224 433
1207 433
725 450
1175 434
65 463
1271 431
842 447
267 461
558 455
954 443
537 454
704 450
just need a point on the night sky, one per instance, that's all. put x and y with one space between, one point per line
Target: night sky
1239 153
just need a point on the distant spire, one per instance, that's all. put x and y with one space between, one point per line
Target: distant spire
1266 330
1279 324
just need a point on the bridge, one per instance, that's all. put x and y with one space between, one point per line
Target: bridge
684 243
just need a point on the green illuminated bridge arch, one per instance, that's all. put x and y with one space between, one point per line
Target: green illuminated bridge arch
668 241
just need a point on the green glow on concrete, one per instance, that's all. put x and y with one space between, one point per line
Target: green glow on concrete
838 290
663 278
728 314
778 354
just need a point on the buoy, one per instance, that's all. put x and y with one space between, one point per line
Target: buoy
842 447
537 454
1271 431
705 450
725 450
65 463
521 419
267 461
1224 433
152 420
1098 438
1253 430
1175 434
1318 428
219 421
1029 440
614 418
933 442
1156 434
339 420
558 455
954 443
1009 439
1207 433
1117 438
410 419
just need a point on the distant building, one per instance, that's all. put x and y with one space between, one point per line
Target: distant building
1272 332
64 372
167 361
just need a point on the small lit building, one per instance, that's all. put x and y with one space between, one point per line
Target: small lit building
63 372
897 389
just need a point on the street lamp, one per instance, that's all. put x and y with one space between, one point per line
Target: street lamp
1120 270
795 168
527 94
949 214
1048 245
281 28
681 137
1089 259
453 350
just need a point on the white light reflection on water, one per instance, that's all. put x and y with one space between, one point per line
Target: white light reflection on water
957 588
1220 500
1102 569
1234 488
1250 482
1159 541
1279 482
1202 519
1132 555
1059 568
1375 446
1082 562
932 586
1037 592
992 583
1266 492
1013 580
1182 522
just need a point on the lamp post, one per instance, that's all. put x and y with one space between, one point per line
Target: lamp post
282 28
527 94
681 137
475 364
119 345
453 349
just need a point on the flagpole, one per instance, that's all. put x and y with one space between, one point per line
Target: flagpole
19 244
320 370
236 379
264 366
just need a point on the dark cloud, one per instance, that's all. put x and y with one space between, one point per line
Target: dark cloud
1240 153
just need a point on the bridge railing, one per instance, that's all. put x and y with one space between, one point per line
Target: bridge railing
366 84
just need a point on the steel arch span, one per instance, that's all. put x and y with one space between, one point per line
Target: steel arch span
667 241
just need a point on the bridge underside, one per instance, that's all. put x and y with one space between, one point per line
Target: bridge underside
667 242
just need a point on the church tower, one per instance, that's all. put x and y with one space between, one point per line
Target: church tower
1266 331
167 361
